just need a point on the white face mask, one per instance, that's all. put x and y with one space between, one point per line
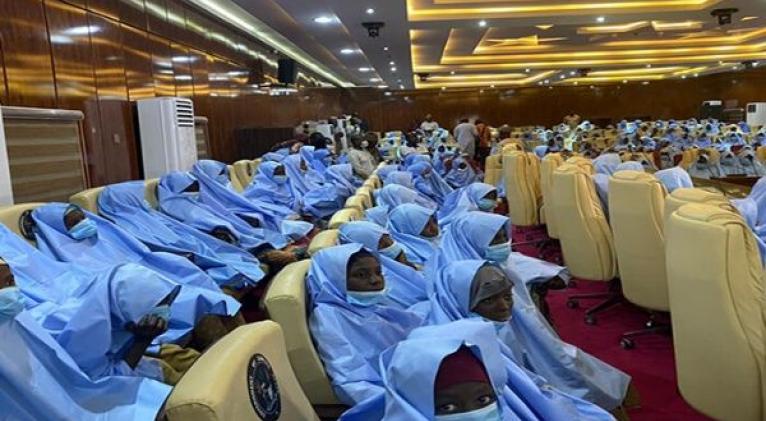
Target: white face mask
488 413
365 144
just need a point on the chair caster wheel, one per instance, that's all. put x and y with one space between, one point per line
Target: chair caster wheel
626 343
572 304
590 319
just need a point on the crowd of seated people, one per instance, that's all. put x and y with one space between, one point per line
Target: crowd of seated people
422 311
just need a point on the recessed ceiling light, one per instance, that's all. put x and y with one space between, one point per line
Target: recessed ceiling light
646 82
648 66
392 63
385 48
749 18
482 23
452 72
696 75
600 19
625 81
323 19
393 69
444 88
374 80
540 82
364 69
387 94
544 27
546 81
572 73
683 76
347 51
755 64
492 86
370 11
576 83
563 77
401 86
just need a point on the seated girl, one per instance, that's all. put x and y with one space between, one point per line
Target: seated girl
416 230
393 195
270 184
352 319
474 197
429 183
457 372
461 173
477 288
320 199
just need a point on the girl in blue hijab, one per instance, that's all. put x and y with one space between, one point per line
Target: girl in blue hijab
479 289
416 230
229 266
352 320
474 197
215 190
457 372
753 210
393 195
674 178
270 184
407 286
429 183
402 178
607 163
343 178
461 174
320 199
377 215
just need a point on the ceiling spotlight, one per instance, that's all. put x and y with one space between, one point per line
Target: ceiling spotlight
527 70
374 80
482 23
572 73
452 72
683 76
648 66
576 83
401 86
755 64
323 19
385 48
370 11
492 86
393 69
563 77
625 81
347 51
600 19
444 88
696 75
387 94
646 82
392 63
546 81
364 69
540 82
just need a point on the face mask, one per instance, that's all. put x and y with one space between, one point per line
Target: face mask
84 229
280 179
11 302
393 251
366 298
488 413
163 312
498 253
365 144
486 205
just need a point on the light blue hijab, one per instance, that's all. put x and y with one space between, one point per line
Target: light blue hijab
320 199
460 177
531 344
378 215
463 200
267 188
674 178
393 195
607 163
343 178
407 286
405 223
753 210
186 207
630 166
350 337
228 265
402 178
429 183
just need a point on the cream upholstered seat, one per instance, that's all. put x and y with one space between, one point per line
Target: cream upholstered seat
254 164
683 196
287 304
323 240
636 204
366 193
548 165
586 239
357 201
344 215
493 169
10 216
244 376
150 195
243 172
522 187
716 290
87 199
236 183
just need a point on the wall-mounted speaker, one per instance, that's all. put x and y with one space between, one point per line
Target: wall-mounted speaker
288 71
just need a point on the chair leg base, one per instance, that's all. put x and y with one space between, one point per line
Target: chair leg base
611 299
652 328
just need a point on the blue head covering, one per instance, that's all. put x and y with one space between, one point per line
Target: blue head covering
405 223
607 163
343 178
350 337
429 183
393 195
402 178
458 177
463 200
321 159
385 170
39 380
272 156
414 158
631 166
753 210
319 200
188 209
601 183
125 205
674 178
541 150
366 233
267 188
378 215
215 193
528 341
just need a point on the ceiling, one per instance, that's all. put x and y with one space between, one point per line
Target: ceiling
508 43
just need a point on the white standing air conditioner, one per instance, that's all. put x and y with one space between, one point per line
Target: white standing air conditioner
756 114
166 126
6 190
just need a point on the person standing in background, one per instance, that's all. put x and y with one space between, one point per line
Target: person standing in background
466 134
429 125
572 120
484 141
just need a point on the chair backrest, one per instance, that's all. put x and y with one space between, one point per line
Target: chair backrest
688 158
251 380
367 195
287 304
522 187
344 215
254 164
683 196
244 173
87 199
10 216
236 183
152 185
548 165
493 169
715 279
374 181
323 240
586 239
357 201
636 205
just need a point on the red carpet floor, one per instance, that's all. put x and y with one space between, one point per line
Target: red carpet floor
650 363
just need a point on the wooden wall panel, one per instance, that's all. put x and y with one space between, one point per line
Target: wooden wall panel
133 13
138 64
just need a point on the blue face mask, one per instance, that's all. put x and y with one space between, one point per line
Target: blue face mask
488 413
11 303
393 251
84 229
367 298
498 253
163 312
486 205
280 179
